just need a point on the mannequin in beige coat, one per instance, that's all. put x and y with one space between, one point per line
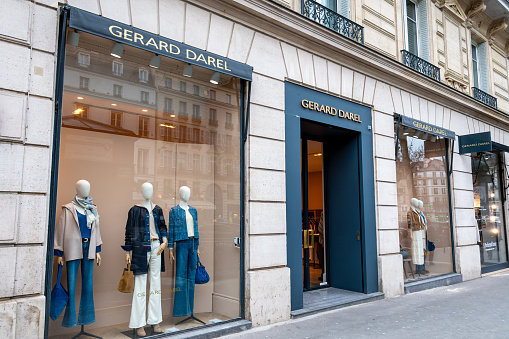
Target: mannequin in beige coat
68 210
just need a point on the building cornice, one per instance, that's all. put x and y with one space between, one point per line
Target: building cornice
291 27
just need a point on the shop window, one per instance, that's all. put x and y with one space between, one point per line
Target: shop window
416 32
143 75
488 205
84 82
143 127
423 221
83 59
117 68
196 90
117 149
116 119
144 96
117 90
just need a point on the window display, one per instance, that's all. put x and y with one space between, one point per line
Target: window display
165 188
489 208
423 205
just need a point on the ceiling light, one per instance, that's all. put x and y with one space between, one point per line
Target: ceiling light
494 231
155 61
494 206
113 104
117 50
215 78
144 110
317 154
172 116
77 111
80 98
74 38
188 71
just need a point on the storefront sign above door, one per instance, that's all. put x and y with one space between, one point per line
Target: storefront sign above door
478 142
129 35
428 128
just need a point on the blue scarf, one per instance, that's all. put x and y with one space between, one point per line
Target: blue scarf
90 210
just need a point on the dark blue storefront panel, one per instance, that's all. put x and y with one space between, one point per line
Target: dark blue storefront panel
355 137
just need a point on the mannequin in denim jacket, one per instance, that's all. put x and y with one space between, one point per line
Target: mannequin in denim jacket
185 194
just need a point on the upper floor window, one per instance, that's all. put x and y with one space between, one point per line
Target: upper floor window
117 68
167 82
479 66
196 111
144 96
342 7
228 99
196 90
116 119
83 59
84 82
213 94
416 33
168 103
182 86
143 75
117 90
143 127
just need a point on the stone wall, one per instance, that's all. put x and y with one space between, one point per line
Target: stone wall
28 32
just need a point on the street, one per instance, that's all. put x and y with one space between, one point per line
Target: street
474 309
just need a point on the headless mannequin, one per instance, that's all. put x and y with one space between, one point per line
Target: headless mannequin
417 251
147 190
82 191
185 194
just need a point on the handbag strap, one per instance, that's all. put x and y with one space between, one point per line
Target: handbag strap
59 276
129 266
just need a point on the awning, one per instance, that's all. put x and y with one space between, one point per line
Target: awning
428 128
132 36
479 142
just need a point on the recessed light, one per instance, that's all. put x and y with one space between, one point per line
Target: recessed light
113 104
172 116
144 110
80 98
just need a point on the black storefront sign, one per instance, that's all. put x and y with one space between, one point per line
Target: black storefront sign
478 142
129 35
428 128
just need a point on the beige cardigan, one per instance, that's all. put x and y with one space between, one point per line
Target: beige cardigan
68 235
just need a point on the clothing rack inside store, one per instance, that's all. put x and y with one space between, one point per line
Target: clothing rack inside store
191 317
82 332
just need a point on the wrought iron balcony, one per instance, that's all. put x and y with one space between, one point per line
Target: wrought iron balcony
420 65
484 97
327 17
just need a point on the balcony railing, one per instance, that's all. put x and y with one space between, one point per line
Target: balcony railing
333 20
484 97
420 65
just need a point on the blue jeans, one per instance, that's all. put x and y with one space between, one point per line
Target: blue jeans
87 311
187 257
419 267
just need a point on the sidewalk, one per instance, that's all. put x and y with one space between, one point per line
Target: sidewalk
474 309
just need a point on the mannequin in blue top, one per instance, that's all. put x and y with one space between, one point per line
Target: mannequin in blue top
183 234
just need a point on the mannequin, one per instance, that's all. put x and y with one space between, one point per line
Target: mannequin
183 231
147 219
78 240
417 223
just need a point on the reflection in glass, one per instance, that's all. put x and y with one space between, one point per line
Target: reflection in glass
421 173
119 130
488 208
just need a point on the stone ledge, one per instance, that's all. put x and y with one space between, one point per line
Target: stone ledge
212 331
426 284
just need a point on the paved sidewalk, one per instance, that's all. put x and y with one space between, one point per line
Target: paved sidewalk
474 309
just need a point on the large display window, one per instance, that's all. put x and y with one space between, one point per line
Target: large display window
423 204
156 143
489 209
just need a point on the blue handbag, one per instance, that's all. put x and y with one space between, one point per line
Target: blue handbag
202 277
431 246
59 297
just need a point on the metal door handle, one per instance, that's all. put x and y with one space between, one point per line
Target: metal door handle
311 235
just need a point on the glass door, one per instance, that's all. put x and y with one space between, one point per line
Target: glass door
313 223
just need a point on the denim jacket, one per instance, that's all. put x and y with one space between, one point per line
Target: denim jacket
137 236
178 225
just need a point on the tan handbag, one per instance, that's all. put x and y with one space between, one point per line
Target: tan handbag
126 284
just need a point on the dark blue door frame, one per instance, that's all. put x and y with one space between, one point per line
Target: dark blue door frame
303 105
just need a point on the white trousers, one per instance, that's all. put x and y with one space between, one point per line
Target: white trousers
418 247
139 305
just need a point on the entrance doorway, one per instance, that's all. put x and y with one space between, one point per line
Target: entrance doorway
331 209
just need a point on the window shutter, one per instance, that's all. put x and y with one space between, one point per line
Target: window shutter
482 59
422 13
344 8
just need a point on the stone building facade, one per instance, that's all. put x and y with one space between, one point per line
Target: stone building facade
286 42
